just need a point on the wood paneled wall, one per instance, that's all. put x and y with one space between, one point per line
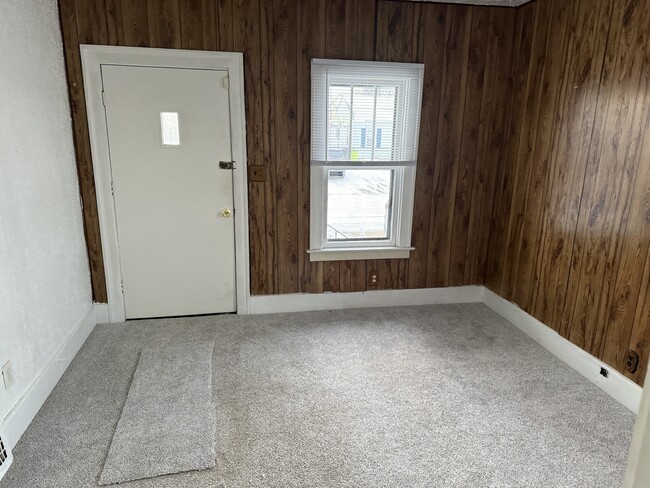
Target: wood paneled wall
467 55
571 225
533 175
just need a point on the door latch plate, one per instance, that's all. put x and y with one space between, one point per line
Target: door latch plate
227 164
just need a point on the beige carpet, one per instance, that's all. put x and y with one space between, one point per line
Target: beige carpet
440 396
167 424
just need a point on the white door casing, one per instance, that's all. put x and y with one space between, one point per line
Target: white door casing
173 203
93 58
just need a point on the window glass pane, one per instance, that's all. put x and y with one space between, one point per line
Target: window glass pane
359 204
361 122
385 122
340 116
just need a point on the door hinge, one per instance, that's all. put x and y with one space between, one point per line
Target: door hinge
122 287
112 188
227 165
226 82
103 98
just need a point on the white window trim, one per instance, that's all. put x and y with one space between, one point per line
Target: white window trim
399 244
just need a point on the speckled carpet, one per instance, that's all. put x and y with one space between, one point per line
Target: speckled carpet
167 424
437 396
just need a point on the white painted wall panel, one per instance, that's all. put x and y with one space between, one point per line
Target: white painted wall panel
44 276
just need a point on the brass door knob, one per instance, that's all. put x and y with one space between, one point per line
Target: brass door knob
226 212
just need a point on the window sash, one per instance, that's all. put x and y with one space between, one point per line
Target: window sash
406 78
393 230
402 209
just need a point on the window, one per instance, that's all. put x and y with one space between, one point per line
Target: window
169 129
364 133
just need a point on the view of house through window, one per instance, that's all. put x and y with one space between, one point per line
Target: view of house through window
359 204
360 119
359 201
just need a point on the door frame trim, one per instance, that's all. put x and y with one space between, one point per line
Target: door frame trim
92 57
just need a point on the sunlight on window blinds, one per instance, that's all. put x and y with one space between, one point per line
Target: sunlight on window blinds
365 113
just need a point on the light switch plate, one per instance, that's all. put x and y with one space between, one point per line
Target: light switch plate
8 375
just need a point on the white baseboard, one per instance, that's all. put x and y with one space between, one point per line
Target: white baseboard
101 313
304 302
615 385
28 405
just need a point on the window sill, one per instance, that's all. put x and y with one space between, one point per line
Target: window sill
355 254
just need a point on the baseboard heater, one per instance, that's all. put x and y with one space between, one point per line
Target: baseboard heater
5 457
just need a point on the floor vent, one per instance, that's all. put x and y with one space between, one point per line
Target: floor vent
5 457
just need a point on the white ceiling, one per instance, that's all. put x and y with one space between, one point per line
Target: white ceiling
503 3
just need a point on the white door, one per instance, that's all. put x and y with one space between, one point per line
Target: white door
168 129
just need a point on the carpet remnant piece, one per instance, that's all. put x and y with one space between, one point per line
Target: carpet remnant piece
168 421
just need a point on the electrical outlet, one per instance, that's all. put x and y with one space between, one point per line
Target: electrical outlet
631 361
373 278
8 375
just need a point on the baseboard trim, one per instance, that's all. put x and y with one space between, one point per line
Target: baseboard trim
28 405
304 302
615 385
101 313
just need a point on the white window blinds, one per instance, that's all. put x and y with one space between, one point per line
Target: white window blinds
365 113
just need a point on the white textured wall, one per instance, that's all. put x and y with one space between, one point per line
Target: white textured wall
44 277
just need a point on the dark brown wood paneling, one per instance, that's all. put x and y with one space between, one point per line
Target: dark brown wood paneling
311 39
268 136
164 23
85 174
492 130
431 25
279 38
576 184
460 226
286 147
449 143
192 24
135 24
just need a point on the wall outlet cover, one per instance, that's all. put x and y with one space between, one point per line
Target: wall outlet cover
8 375
257 173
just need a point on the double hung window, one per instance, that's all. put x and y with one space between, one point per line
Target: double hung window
364 134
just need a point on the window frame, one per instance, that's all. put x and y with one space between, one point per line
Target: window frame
398 245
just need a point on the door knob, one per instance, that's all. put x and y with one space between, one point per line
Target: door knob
226 212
